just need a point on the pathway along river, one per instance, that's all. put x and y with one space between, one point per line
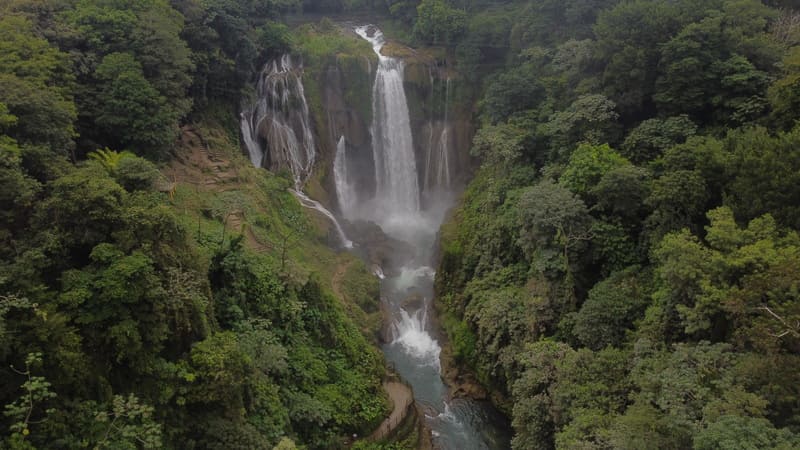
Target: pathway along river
408 290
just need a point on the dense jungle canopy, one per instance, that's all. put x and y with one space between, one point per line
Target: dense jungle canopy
621 272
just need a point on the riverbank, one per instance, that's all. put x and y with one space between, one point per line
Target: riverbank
402 398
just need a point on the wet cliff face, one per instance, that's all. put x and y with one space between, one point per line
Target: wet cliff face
340 88
441 115
347 110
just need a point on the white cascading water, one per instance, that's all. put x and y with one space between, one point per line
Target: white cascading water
281 117
396 203
253 148
443 166
410 333
345 191
308 202
392 145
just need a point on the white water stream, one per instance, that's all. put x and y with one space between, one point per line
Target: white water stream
280 119
345 191
393 150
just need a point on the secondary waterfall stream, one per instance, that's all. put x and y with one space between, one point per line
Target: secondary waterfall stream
280 118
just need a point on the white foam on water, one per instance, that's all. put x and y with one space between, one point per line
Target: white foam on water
411 335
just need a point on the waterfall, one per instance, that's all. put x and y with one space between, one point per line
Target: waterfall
429 158
411 330
345 192
410 333
395 165
280 117
252 146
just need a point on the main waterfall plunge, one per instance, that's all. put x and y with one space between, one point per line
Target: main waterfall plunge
278 135
392 147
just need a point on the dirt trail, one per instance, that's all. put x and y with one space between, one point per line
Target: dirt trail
199 164
402 398
237 224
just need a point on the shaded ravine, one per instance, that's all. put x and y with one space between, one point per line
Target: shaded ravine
276 132
407 289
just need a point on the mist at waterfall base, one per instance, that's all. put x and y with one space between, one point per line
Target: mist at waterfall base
413 215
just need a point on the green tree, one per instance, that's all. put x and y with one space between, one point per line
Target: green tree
129 425
108 158
18 191
83 208
27 409
136 174
651 138
438 22
149 31
588 164
611 309
784 93
36 84
513 91
532 421
592 388
130 171
628 39
132 110
553 223
621 193
762 175
703 77
717 290
744 432
501 144
591 118
678 199
680 390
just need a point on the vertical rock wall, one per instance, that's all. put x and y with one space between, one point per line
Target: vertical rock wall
440 110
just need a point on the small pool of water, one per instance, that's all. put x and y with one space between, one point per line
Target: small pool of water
457 424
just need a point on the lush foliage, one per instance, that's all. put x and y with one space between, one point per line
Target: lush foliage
623 269
131 316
